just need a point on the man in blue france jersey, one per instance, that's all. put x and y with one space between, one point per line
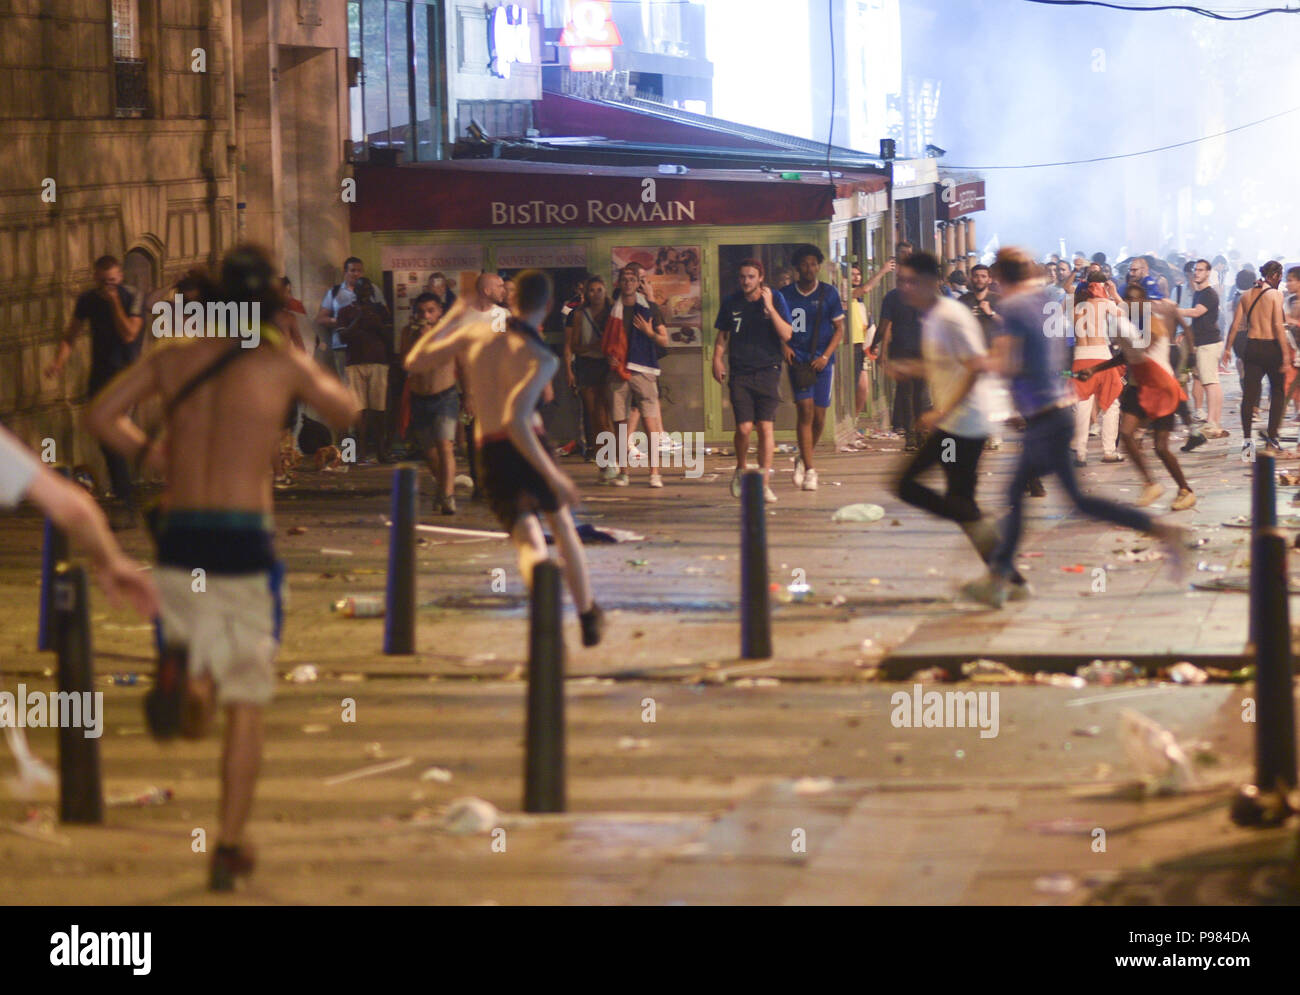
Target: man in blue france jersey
752 326
1031 360
817 329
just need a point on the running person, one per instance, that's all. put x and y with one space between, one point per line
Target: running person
1152 396
219 638
817 323
508 375
1024 353
433 400
955 358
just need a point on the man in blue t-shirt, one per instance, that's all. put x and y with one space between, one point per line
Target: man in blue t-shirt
1024 352
753 324
817 329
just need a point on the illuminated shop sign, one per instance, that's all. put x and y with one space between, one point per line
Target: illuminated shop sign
509 39
590 36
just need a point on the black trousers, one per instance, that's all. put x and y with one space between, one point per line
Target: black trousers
911 400
1263 358
959 459
119 476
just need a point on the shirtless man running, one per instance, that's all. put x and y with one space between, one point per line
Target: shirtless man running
508 373
218 576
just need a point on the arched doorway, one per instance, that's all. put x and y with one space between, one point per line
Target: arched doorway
139 271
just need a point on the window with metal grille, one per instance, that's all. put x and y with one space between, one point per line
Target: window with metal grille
131 97
126 29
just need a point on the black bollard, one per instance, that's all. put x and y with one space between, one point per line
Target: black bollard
544 739
1263 505
399 607
755 602
54 550
81 793
1275 758
1263 515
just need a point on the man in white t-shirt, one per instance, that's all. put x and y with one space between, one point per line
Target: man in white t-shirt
74 511
954 360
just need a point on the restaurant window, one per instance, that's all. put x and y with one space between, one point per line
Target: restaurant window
394 95
130 87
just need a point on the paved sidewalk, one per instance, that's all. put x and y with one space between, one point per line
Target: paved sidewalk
701 805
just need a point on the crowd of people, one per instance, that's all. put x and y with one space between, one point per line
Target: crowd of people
1056 350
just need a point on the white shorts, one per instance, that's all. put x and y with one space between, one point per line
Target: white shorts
369 383
1207 362
230 627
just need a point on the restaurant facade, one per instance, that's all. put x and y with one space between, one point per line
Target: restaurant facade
689 229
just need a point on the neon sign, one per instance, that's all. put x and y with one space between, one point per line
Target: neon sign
509 38
590 36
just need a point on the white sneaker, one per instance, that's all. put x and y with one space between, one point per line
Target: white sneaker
810 480
769 495
609 473
798 471
621 480
735 484
656 480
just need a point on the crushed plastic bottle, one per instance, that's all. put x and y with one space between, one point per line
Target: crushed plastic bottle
303 673
1107 672
360 606
469 816
1153 750
1185 672
991 672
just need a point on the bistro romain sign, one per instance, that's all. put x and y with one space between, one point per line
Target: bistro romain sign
454 197
593 212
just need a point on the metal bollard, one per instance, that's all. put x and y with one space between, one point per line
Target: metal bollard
544 738
1263 515
54 550
1263 504
399 608
1275 757
81 793
755 602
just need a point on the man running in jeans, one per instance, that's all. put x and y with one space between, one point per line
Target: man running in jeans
955 360
752 325
220 637
817 320
1023 352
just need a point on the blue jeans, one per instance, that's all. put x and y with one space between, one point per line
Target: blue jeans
1046 450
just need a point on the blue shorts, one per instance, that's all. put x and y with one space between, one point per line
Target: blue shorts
820 391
